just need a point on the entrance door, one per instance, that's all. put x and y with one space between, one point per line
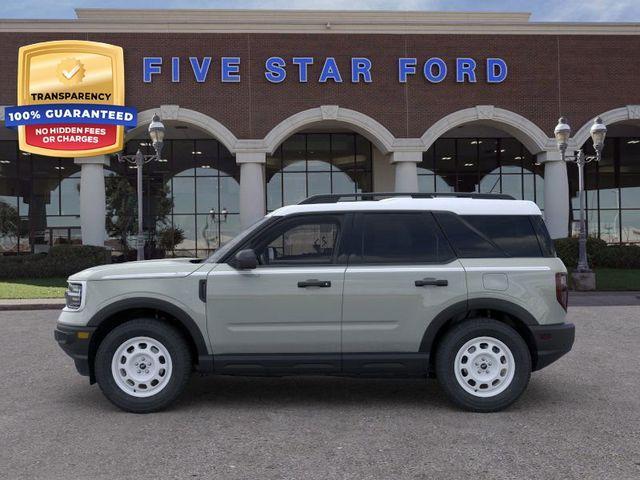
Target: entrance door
403 276
291 303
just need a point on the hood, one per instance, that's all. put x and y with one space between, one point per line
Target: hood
165 268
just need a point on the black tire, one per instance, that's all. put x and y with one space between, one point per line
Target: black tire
170 338
456 338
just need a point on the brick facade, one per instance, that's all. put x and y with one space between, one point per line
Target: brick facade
574 75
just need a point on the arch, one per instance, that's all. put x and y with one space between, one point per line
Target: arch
197 119
527 132
373 130
629 112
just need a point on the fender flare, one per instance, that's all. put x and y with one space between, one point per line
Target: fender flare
459 310
156 304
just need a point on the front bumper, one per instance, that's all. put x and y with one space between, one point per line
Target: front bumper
552 342
75 343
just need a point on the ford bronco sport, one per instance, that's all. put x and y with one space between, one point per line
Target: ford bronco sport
466 288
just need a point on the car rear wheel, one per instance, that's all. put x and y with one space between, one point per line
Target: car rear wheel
143 365
483 365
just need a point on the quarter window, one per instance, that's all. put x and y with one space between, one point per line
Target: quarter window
514 234
403 238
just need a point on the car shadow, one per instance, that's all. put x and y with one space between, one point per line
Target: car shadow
305 391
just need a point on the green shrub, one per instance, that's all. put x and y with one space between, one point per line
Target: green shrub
61 261
599 254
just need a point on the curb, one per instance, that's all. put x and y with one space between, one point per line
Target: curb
38 304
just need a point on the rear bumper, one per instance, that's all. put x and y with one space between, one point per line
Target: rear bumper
75 343
552 342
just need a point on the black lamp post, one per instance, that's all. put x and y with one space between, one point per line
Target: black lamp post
156 133
562 133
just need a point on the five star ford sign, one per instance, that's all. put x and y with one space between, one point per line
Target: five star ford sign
70 99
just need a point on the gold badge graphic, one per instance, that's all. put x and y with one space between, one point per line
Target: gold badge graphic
67 80
70 71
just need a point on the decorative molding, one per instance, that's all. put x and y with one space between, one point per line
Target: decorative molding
329 112
185 115
634 112
169 112
527 132
382 138
309 21
616 115
484 112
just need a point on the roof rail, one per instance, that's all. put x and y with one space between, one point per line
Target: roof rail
372 196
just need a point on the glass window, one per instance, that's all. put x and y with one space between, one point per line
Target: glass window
466 241
630 226
514 234
318 163
309 241
403 238
445 156
318 153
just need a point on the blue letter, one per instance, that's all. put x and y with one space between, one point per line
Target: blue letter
275 69
428 70
230 69
498 76
360 66
150 66
303 63
406 66
465 66
175 69
330 71
200 71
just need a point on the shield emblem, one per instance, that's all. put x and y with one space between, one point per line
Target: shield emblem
70 73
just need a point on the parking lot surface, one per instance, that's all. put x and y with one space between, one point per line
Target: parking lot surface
579 418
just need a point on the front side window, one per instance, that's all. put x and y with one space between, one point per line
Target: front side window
403 238
310 241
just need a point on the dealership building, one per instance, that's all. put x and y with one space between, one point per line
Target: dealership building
265 108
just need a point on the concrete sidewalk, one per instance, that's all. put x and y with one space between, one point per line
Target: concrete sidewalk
576 299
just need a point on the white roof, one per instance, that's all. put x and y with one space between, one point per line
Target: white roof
461 206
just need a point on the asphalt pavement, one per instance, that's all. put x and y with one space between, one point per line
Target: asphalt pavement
579 418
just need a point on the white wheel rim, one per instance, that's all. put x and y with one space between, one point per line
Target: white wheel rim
141 367
484 367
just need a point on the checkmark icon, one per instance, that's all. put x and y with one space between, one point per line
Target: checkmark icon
71 73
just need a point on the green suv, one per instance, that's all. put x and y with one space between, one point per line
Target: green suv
464 288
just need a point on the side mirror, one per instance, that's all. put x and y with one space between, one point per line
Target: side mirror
246 260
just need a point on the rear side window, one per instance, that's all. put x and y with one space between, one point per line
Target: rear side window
403 238
513 234
467 241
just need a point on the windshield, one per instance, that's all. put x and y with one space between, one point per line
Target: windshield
235 241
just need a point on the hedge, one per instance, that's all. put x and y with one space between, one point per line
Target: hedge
599 254
61 261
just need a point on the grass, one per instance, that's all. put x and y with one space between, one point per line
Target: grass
617 279
26 288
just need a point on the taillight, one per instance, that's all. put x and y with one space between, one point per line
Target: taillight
562 290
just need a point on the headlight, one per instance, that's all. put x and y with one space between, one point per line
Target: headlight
73 295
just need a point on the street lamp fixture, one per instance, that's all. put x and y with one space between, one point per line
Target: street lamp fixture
562 133
156 133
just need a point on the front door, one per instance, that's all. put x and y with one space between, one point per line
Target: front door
291 303
403 274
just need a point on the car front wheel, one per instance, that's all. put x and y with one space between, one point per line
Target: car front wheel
483 365
143 365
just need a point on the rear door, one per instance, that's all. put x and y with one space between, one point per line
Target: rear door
403 273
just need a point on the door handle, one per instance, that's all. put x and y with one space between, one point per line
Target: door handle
314 283
425 282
